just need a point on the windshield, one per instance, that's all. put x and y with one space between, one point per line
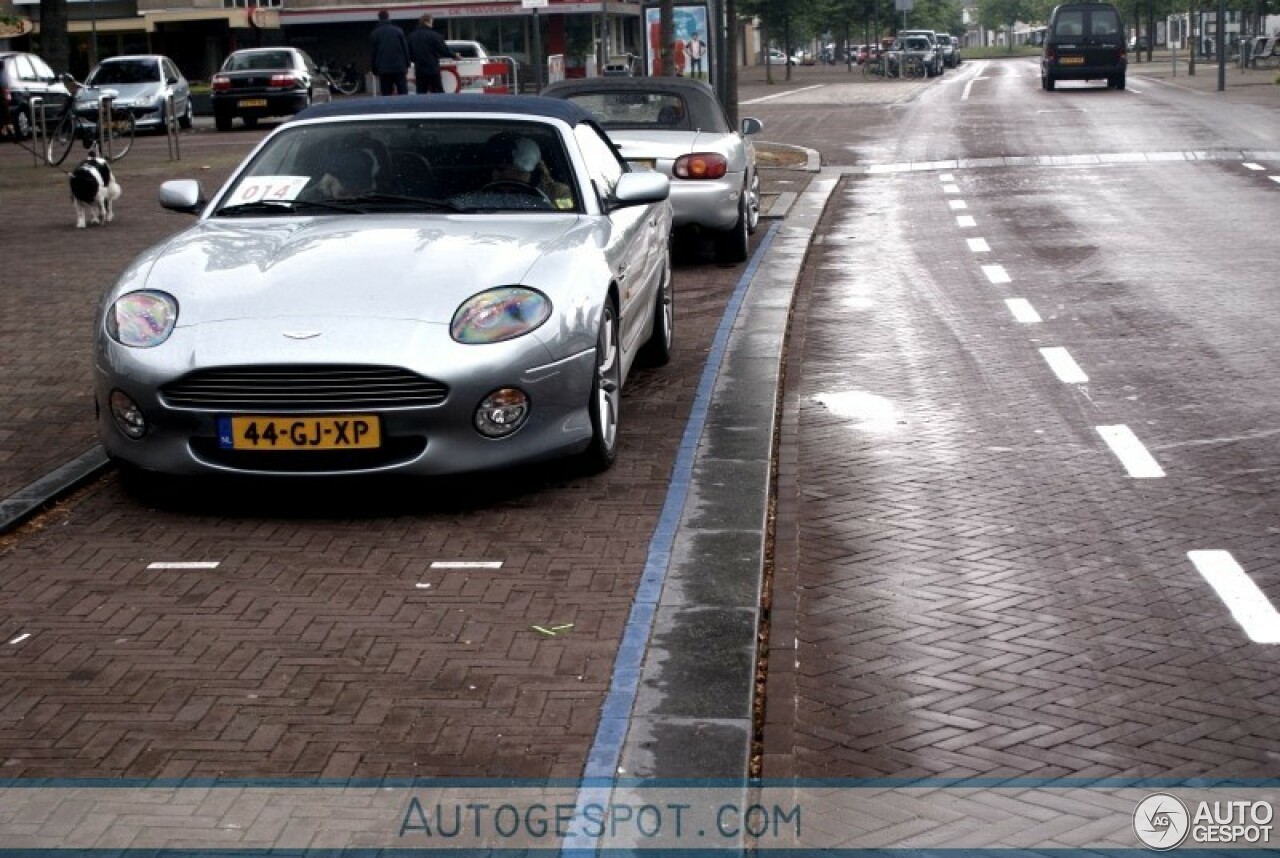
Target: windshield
405 164
125 71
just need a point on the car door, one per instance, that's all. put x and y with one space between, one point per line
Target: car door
635 234
312 72
176 85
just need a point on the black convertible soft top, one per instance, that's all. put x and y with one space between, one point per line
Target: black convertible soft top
705 110
392 105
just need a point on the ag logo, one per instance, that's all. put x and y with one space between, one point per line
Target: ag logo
1161 821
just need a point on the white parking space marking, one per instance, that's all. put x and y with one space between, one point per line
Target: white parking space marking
996 274
1274 178
956 205
965 221
184 564
946 177
20 638
765 98
951 189
1248 604
1064 366
466 564
1129 450
1251 166
978 245
968 86
1022 310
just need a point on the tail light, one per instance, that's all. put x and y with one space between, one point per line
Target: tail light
700 165
1051 54
220 82
283 80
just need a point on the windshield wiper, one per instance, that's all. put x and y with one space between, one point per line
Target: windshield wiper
416 202
286 207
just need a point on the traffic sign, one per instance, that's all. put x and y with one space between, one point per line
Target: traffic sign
535 4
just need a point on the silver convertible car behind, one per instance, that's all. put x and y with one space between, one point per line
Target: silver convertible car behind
677 127
416 285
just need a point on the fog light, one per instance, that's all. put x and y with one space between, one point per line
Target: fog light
128 415
501 413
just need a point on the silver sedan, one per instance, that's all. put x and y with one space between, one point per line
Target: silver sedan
678 127
416 285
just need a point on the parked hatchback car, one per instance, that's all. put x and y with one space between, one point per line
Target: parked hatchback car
415 285
256 83
1084 41
934 65
25 76
143 83
677 127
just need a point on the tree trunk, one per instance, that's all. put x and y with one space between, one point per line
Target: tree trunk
55 44
731 37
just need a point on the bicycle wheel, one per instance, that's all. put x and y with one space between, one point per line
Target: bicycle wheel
119 134
63 135
349 84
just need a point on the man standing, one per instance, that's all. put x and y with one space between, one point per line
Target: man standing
697 50
389 56
427 48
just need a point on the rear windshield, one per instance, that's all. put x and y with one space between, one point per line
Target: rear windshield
259 61
1087 22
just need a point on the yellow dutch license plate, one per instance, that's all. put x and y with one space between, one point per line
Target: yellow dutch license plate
252 102
331 432
1072 61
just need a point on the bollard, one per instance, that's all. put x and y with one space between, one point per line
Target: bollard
39 145
172 131
105 102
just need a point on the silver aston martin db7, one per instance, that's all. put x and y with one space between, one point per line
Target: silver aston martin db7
417 285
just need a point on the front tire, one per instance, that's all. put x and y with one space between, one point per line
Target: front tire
606 394
657 349
187 119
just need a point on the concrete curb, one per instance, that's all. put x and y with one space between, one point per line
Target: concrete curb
692 716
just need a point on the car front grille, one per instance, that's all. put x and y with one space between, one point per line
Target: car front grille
303 388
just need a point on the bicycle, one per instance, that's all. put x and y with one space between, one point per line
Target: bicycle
347 83
114 138
882 67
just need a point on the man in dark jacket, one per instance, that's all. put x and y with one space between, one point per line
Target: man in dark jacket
427 48
389 56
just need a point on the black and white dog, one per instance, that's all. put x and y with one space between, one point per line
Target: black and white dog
93 189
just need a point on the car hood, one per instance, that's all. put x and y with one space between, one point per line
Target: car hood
125 92
386 266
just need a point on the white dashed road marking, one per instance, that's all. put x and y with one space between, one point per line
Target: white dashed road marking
1129 450
1248 604
1022 311
996 274
965 221
1064 366
979 245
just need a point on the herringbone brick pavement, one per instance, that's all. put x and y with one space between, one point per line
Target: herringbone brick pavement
324 644
977 589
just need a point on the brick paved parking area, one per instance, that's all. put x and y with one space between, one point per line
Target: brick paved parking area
320 640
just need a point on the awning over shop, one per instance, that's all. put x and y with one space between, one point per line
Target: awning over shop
410 12
257 17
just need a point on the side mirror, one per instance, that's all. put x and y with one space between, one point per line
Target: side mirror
635 189
751 125
182 195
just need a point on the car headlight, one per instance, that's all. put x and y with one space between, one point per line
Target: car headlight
142 319
499 314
